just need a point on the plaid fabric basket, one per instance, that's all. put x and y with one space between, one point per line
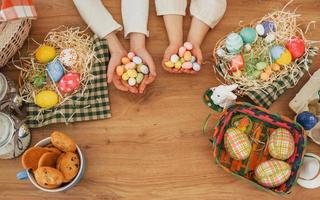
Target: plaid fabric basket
93 105
268 123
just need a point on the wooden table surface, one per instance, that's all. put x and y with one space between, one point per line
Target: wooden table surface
152 147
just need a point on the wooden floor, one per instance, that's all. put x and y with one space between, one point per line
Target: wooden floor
152 147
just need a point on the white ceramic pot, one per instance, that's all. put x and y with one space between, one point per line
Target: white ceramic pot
26 174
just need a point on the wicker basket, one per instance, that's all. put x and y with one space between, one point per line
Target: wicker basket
12 37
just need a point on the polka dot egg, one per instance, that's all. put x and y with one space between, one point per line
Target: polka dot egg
69 82
68 57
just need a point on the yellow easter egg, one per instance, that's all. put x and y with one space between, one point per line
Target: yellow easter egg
45 54
178 65
275 67
125 76
187 56
132 73
47 99
285 58
169 64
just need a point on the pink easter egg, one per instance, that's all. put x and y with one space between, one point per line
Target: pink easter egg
296 47
131 55
69 82
187 65
181 52
130 65
188 45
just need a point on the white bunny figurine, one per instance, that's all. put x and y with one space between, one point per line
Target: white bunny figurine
223 95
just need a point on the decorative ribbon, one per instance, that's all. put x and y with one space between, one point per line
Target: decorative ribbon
17 9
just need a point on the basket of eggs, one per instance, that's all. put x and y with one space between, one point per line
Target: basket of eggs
265 57
12 36
263 148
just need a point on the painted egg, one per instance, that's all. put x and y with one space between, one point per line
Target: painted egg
275 67
264 76
46 99
181 52
281 55
237 144
45 54
139 78
132 81
281 144
296 47
261 65
125 76
221 53
137 60
55 70
125 60
187 56
174 58
178 65
130 65
234 43
248 35
68 57
39 81
132 73
272 173
187 65
188 45
307 120
196 67
237 63
168 64
144 69
120 70
265 28
131 55
69 82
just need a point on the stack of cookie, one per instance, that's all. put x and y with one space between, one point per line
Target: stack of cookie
55 164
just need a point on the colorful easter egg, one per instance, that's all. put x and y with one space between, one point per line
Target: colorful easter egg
125 60
193 59
139 78
307 120
132 73
196 66
281 144
132 81
296 46
169 64
69 82
264 76
272 173
130 65
234 43
39 80
45 54
275 67
187 65
178 65
181 52
137 60
174 58
265 28
237 144
261 65
188 45
281 55
125 76
68 57
237 63
248 35
46 99
187 56
120 70
144 69
131 55
55 70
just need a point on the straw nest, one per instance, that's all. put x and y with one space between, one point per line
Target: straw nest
60 38
286 23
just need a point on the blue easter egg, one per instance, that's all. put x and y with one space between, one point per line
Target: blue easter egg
276 52
55 70
307 120
234 43
268 27
248 35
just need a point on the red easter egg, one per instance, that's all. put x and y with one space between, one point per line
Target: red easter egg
237 63
69 82
296 47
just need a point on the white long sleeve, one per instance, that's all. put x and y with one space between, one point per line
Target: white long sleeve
171 7
97 17
208 11
135 15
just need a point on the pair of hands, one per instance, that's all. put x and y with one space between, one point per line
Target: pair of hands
137 43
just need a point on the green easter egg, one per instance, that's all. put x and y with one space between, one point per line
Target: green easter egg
261 65
248 35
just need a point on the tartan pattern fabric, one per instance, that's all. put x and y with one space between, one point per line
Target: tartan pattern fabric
272 173
266 96
17 9
281 144
264 123
94 104
237 144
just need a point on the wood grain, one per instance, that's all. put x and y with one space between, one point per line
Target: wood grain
152 147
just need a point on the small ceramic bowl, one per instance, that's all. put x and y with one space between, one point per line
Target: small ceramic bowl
27 174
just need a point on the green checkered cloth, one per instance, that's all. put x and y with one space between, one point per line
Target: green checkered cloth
94 104
266 96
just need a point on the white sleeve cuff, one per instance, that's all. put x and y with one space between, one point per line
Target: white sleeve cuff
171 7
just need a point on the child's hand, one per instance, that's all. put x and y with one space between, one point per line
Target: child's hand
137 44
171 49
117 52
